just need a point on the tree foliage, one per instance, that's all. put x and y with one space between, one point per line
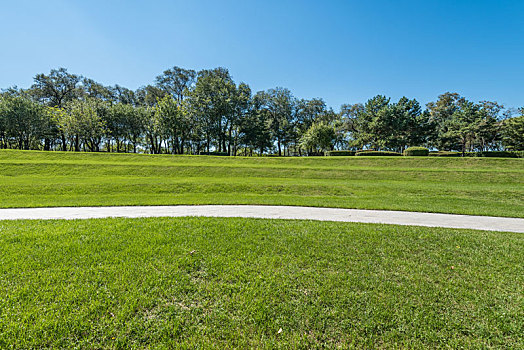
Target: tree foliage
185 111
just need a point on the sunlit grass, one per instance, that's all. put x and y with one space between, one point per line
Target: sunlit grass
222 283
481 186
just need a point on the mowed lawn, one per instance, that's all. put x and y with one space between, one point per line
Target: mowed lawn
480 186
238 283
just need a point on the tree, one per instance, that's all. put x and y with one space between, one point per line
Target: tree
22 120
407 125
173 124
56 89
370 123
148 95
279 104
92 89
463 125
211 102
84 124
176 81
120 122
440 112
320 136
490 127
349 123
254 126
513 132
124 95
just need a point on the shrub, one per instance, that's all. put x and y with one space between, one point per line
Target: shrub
519 154
445 154
377 153
499 154
416 151
214 154
340 153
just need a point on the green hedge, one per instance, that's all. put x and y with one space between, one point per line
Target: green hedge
499 154
445 154
377 153
214 154
340 153
416 151
519 154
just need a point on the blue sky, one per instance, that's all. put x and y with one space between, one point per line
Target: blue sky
342 51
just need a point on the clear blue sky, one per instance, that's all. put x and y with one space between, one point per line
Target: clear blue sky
342 51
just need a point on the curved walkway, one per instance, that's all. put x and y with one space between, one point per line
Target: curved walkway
274 212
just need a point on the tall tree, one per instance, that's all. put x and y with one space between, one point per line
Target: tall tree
440 113
56 89
211 103
173 123
489 134
23 121
254 127
513 132
176 81
320 136
370 123
279 104
462 127
85 124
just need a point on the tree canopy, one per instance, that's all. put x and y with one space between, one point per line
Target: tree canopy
189 112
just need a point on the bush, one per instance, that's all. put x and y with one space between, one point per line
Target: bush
340 153
377 153
214 154
499 154
445 154
416 151
519 154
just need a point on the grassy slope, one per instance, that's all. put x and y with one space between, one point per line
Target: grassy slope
219 283
480 186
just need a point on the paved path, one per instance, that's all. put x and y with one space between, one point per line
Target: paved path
274 212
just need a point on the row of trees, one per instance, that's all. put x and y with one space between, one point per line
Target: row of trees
193 112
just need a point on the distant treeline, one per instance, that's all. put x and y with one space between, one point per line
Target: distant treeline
189 112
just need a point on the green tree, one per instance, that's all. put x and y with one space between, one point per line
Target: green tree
254 127
119 122
173 123
463 125
370 123
176 81
320 136
212 105
513 132
85 124
56 89
23 121
489 134
279 104
440 113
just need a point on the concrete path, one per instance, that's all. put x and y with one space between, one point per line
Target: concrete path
274 212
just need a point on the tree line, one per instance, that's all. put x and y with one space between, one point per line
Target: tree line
189 112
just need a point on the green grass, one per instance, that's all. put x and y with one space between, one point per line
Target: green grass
234 283
479 186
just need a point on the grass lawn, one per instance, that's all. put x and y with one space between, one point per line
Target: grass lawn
223 283
479 186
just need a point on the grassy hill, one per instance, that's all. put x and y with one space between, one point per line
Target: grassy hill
480 186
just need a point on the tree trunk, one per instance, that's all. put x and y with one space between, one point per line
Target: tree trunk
77 144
